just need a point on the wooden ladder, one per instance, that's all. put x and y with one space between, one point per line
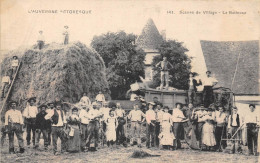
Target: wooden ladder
10 88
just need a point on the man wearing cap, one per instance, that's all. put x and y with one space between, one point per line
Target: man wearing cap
14 124
29 115
120 133
233 125
150 117
192 88
251 121
58 118
42 125
66 34
165 66
136 116
208 83
40 40
93 126
84 121
177 118
15 63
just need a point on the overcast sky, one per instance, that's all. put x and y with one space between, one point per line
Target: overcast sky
19 28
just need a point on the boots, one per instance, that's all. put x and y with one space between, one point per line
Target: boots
11 150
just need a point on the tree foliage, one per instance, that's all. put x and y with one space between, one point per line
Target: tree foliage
176 55
123 60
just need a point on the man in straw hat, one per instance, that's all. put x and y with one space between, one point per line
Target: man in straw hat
58 118
14 124
29 115
40 40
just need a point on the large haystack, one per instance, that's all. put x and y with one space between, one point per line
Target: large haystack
57 72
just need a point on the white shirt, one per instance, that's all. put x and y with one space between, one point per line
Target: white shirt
85 101
220 119
15 63
209 81
60 122
100 97
200 115
93 113
120 112
13 116
234 122
177 115
136 115
6 79
84 117
159 116
150 116
251 117
30 112
41 37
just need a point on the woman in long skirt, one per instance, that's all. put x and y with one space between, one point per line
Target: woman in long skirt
111 122
208 137
74 132
166 136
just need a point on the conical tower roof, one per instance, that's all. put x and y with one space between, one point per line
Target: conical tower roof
150 37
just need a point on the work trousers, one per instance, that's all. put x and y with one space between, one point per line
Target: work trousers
164 78
150 135
120 133
84 134
135 132
207 96
157 132
176 131
192 96
252 135
93 131
30 127
220 132
199 131
44 133
16 129
57 132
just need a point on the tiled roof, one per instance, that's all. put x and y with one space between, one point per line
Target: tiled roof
222 57
150 37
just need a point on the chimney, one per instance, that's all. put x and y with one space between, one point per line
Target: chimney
163 34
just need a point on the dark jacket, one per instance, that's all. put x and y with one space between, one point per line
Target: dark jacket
41 122
195 84
238 120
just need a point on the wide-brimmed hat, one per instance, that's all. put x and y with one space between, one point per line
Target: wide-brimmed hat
252 105
12 101
151 103
32 99
15 56
43 105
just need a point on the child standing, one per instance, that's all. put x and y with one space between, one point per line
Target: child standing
166 136
111 122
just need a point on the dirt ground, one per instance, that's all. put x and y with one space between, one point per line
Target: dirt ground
122 154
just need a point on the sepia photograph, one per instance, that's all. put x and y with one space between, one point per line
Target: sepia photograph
130 81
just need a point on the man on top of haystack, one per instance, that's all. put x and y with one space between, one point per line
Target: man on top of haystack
165 66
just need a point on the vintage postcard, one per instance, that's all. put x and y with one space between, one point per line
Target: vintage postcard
130 81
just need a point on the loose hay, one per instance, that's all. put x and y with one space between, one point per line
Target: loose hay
142 154
57 72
